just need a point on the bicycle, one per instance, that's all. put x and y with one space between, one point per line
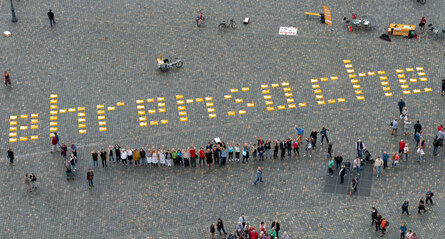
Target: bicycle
222 26
199 19
421 1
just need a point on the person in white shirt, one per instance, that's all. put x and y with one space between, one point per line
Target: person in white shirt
124 156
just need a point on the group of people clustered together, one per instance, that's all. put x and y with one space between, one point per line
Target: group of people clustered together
246 231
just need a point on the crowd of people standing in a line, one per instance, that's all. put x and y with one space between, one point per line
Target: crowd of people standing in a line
244 230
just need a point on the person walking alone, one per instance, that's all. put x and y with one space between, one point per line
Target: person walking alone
405 206
342 174
11 157
401 105
324 134
51 17
7 79
90 176
259 176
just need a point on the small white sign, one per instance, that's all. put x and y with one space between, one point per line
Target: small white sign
217 140
288 31
6 33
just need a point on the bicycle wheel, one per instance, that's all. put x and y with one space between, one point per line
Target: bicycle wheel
233 24
198 22
179 64
222 26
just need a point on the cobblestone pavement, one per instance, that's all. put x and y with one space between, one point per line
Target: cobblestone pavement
103 52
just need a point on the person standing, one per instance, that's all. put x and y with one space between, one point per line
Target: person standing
443 87
342 174
276 226
348 167
300 133
63 150
259 176
123 156
406 125
90 176
377 221
429 196
313 135
383 225
405 206
193 157
73 161
202 156
261 152
209 158
395 159
420 154
268 149
417 127
275 150
117 151
402 231
338 161
330 149
242 220
11 157
223 157
401 105
385 158
51 17
103 157
422 23
295 146
212 230
406 151
246 153
331 167
33 179
95 157
378 165
110 154
436 144
220 226
283 148
130 156
324 134
7 79
395 126
401 146
356 165
441 136
373 215
309 147
54 142
74 149
237 152
359 146
421 205
289 146
28 183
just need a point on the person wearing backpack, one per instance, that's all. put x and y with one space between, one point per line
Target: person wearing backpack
383 226
405 206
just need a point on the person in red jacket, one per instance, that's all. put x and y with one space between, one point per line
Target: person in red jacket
201 156
54 142
193 156
401 147
254 234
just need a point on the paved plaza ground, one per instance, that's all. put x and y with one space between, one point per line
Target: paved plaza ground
93 79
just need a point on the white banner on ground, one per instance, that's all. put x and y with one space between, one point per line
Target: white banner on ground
288 31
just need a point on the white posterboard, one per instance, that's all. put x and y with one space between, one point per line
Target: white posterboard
288 31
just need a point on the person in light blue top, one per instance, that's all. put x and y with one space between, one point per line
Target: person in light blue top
259 176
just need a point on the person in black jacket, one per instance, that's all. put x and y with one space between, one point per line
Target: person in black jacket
103 156
51 17
417 127
342 174
289 147
220 226
338 160
314 136
11 156
276 225
283 148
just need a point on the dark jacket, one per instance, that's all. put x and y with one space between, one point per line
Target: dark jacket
417 127
50 15
212 228
338 159
277 226
10 154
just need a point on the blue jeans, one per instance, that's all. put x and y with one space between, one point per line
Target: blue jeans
111 158
219 230
435 150
358 170
90 182
378 170
419 158
359 153
95 163
406 156
338 165
144 161
258 179
322 137
223 161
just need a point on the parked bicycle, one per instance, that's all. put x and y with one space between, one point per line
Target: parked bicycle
199 19
230 23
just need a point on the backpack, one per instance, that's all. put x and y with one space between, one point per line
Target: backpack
34 179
